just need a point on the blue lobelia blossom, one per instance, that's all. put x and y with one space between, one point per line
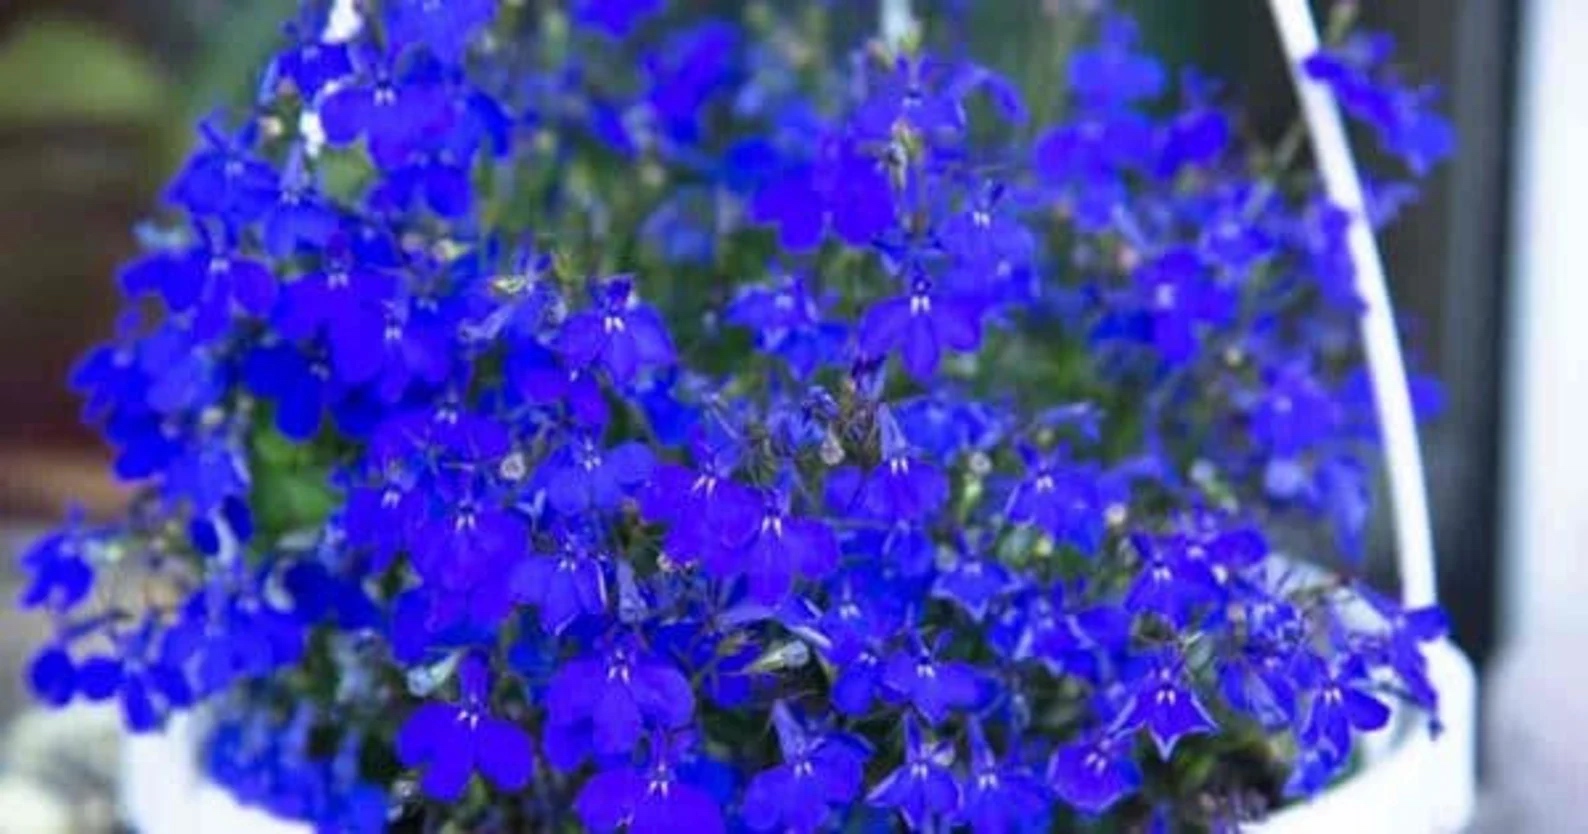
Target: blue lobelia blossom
59 567
1163 703
936 688
346 302
974 584
921 326
1094 772
616 18
224 180
1404 118
397 113
651 800
446 29
790 322
779 549
583 477
452 742
923 789
619 334
820 772
1180 297
1000 797
604 703
1175 581
1341 704
1068 501
904 487
563 586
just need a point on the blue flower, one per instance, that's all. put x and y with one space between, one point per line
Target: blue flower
1068 501
780 548
60 574
1176 579
347 303
620 334
397 115
1000 797
616 18
445 28
973 584
920 326
1112 74
145 676
789 322
1340 704
922 790
1094 772
583 477
563 586
1180 298
310 65
819 773
452 742
934 687
604 702
653 800
1165 705
1403 117
904 487
224 180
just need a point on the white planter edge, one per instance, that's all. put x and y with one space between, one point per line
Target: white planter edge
1413 784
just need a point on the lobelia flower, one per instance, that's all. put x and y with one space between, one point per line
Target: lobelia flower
905 487
1163 703
974 585
620 334
563 586
1340 705
819 772
452 742
584 478
1068 501
1000 797
1094 772
59 572
780 548
934 687
789 321
1173 583
922 790
346 302
1180 298
224 180
1406 123
398 114
651 800
920 325
616 18
603 703
445 28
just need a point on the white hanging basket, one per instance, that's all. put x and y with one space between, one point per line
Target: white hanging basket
1410 782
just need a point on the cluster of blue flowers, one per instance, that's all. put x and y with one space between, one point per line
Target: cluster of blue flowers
595 415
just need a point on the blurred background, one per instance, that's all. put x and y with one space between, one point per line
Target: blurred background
97 98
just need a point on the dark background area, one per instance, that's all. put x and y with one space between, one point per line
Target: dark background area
96 111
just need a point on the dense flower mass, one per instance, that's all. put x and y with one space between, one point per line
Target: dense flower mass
601 414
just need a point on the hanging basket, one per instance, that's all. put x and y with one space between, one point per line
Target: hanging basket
1409 781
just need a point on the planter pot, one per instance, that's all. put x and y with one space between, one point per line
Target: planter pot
1410 784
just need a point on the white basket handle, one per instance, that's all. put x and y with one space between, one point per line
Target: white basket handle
1414 552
